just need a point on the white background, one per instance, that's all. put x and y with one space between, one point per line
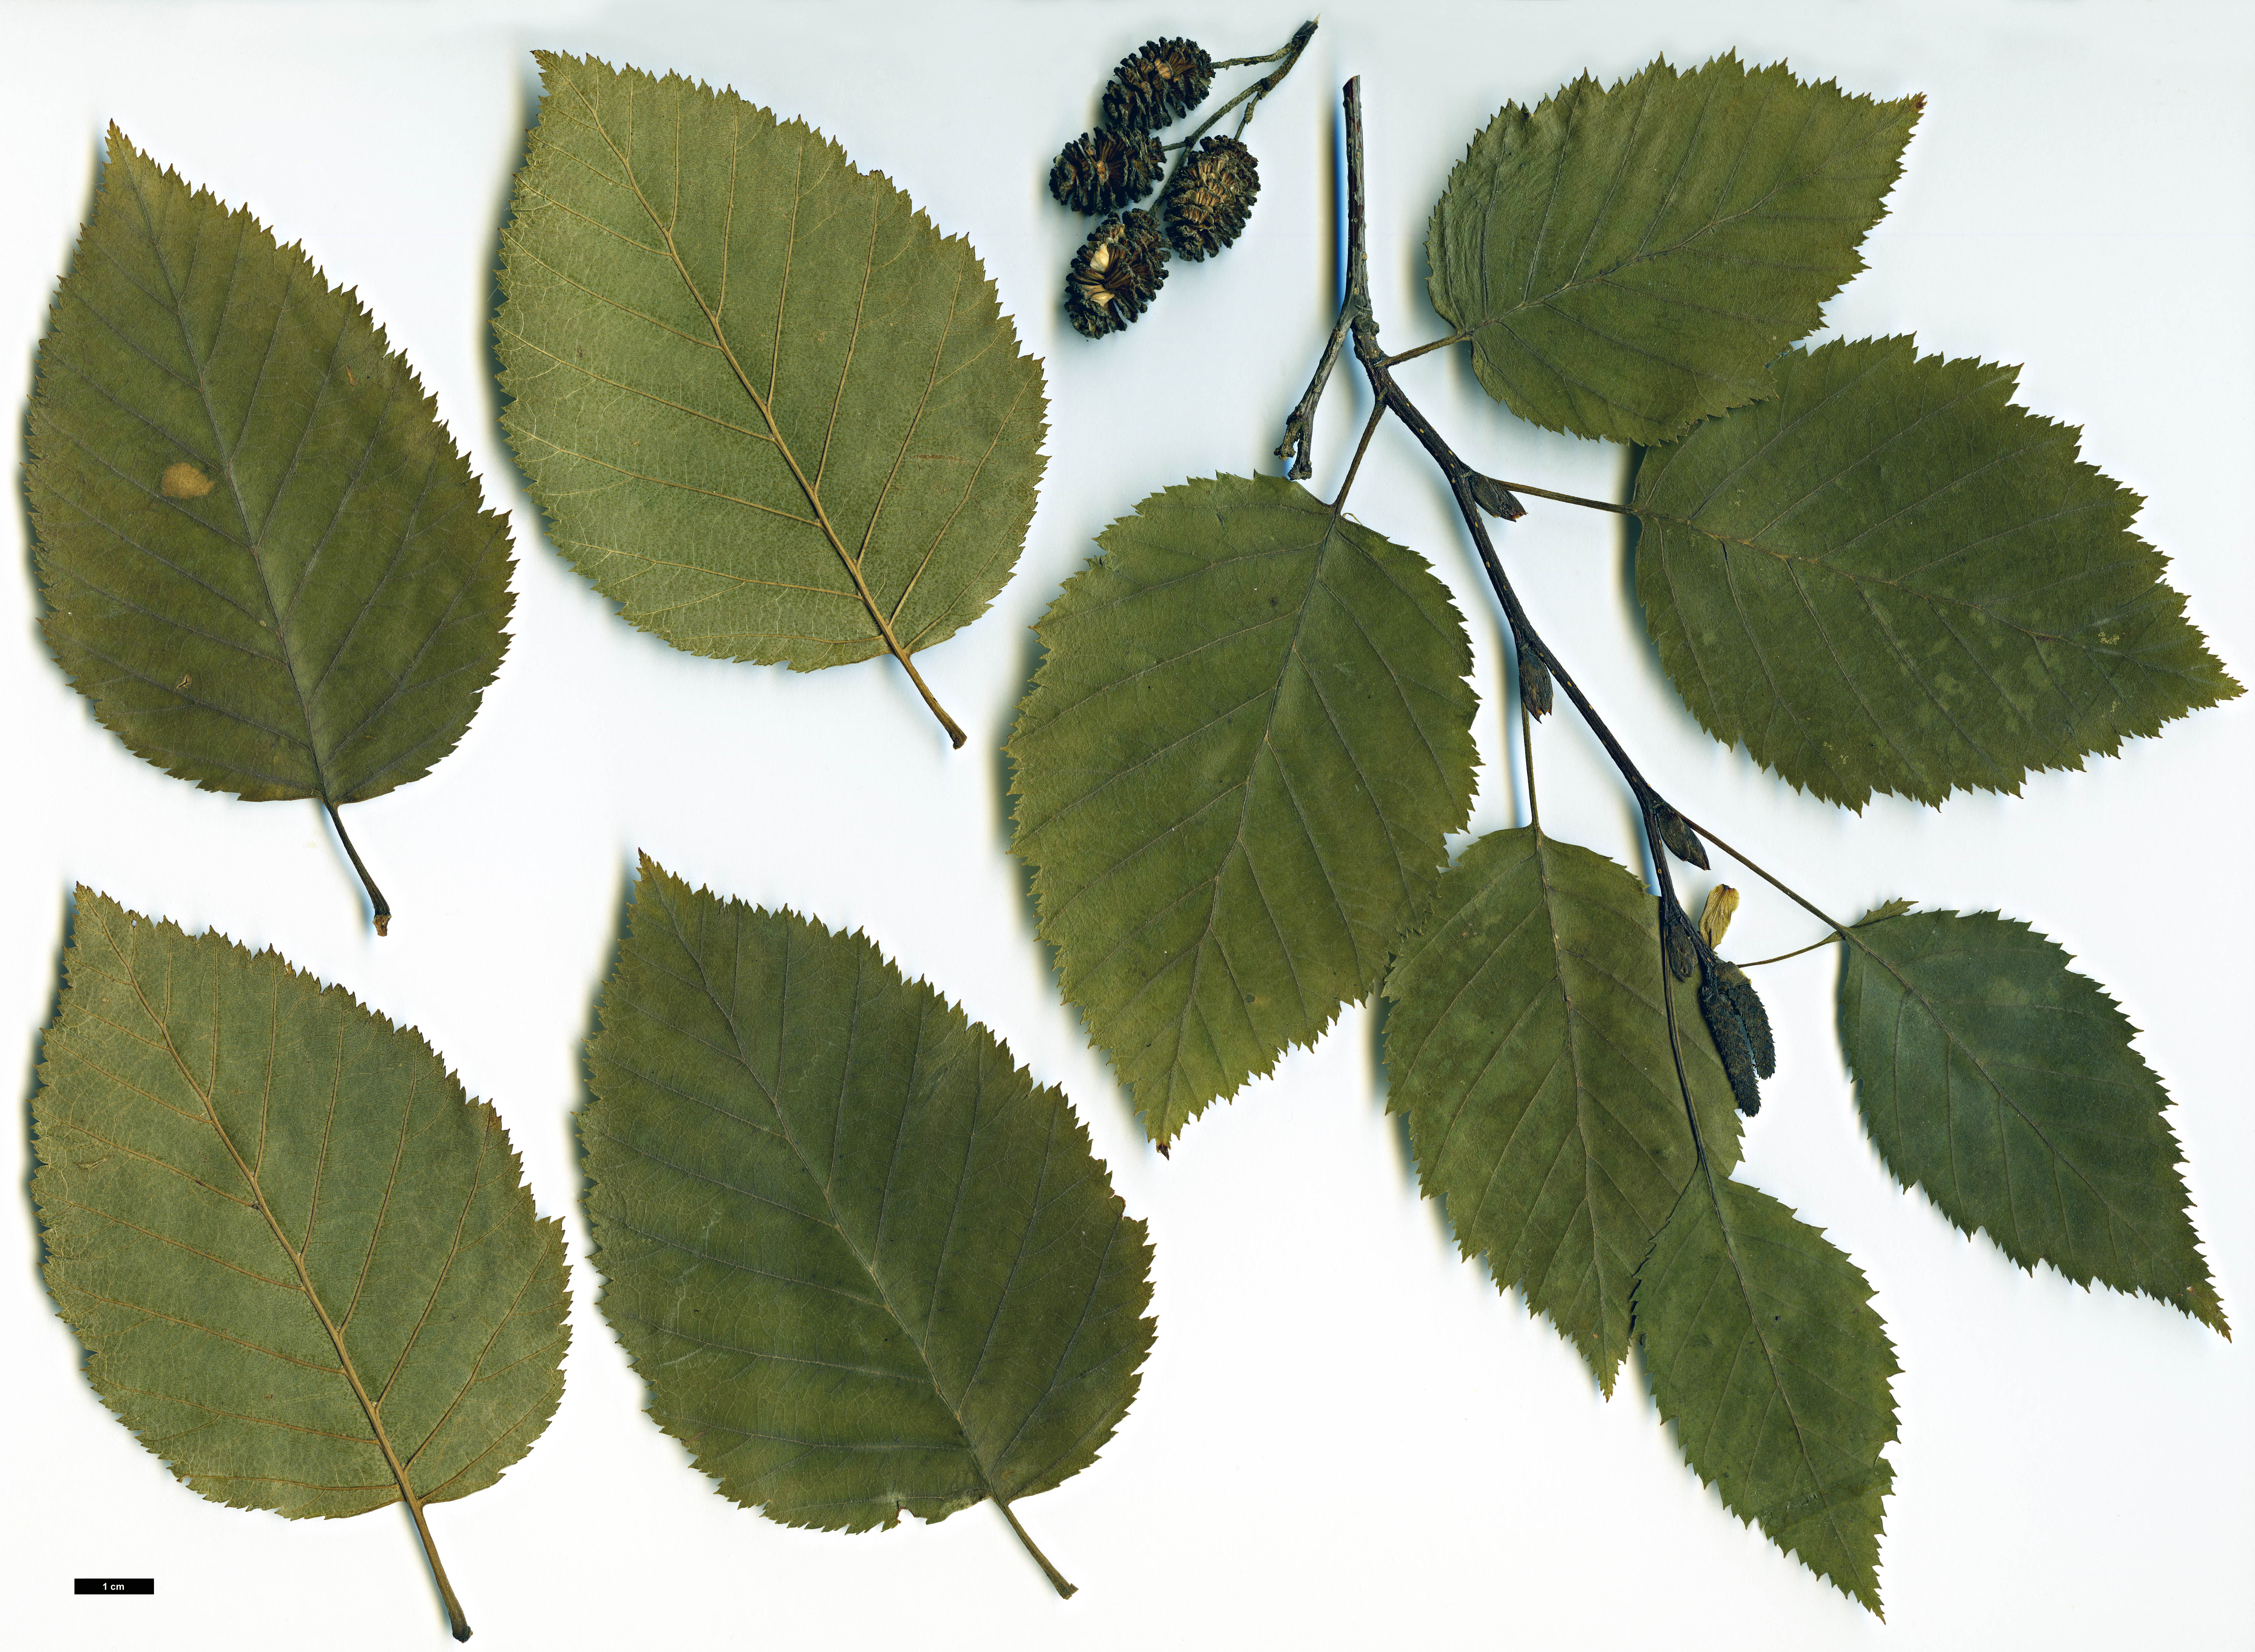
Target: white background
1346 1438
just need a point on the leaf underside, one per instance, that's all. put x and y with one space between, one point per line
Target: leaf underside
1528 1046
234 1159
1890 579
2003 1083
1628 260
1234 772
866 1266
263 559
1763 1349
744 371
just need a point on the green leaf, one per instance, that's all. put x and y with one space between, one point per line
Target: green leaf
1626 262
1763 1349
867 1267
1891 579
1528 1046
264 561
2003 1083
305 1265
769 409
1234 772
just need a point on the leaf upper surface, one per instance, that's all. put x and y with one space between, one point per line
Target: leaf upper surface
865 1265
1764 1350
263 1201
1528 1046
2003 1083
1629 260
264 560
1890 579
768 407
1234 772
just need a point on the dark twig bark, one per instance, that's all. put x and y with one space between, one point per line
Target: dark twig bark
1478 496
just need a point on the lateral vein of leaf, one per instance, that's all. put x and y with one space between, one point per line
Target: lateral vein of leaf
1362 778
228 449
414 530
2004 1099
477 1373
513 1436
1275 763
1704 227
125 668
406 679
1139 850
336 1337
813 495
678 1335
1001 1300
383 1204
907 436
1121 684
1839 667
970 486
1408 712
1064 1350
1131 591
572 364
727 1011
683 487
78 1128
1886 633
178 1244
1753 645
669 1242
1875 361
209 1330
454 1249
75 292
73 502
238 1417
845 367
707 1423
346 495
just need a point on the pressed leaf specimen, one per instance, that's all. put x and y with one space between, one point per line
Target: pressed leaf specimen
264 561
768 407
305 1265
1239 758
867 1265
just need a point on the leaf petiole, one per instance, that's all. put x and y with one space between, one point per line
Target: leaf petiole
381 909
1065 1590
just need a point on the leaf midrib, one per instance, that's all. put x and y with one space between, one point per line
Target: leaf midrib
1643 254
2189 1290
370 1407
726 1009
807 486
1770 1358
226 448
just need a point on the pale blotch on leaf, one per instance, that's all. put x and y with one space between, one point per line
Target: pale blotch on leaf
183 481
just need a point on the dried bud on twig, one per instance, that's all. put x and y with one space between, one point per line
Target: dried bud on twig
1210 197
1497 500
1683 842
1157 84
1115 274
1535 684
1675 943
1103 172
